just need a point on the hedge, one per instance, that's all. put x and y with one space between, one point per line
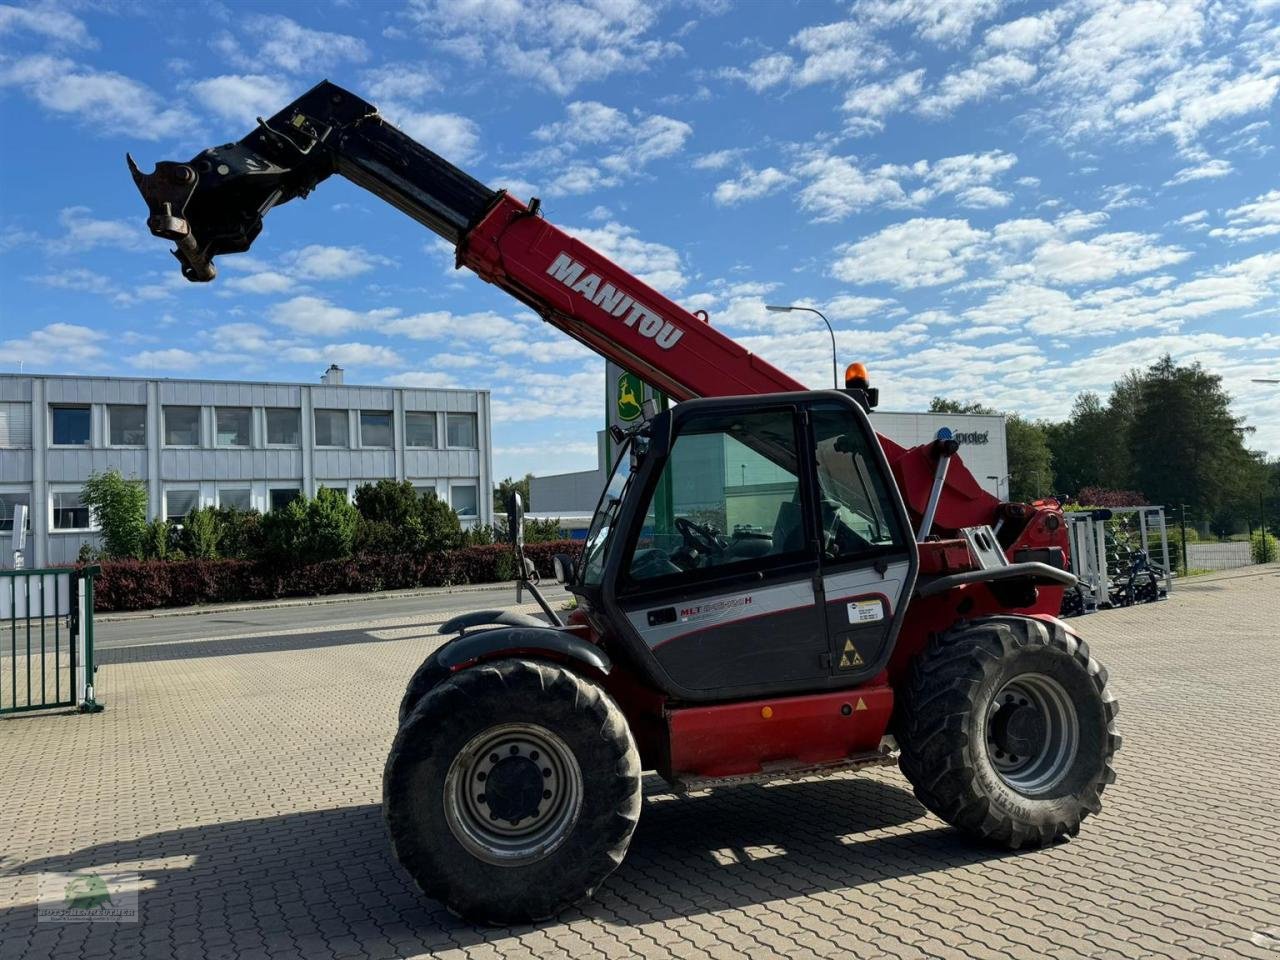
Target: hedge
146 584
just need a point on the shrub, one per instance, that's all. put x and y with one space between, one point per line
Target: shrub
120 507
395 518
308 531
199 536
1264 548
1102 497
239 533
155 540
142 585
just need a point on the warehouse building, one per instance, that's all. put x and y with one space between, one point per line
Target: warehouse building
198 443
982 448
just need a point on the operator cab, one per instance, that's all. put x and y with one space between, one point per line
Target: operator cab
751 544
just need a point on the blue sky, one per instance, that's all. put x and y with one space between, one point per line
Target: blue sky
992 201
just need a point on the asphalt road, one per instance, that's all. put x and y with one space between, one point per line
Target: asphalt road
327 617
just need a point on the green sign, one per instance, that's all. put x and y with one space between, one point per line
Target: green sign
630 397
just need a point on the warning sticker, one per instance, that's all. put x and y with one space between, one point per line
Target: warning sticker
850 657
866 611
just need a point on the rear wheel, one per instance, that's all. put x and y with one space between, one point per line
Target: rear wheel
512 790
1007 731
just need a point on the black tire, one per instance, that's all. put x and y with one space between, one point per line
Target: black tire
431 838
428 674
950 737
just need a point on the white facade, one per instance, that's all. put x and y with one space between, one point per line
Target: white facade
198 443
982 448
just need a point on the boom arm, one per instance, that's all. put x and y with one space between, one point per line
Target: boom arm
215 203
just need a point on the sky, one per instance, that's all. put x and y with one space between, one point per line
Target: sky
992 201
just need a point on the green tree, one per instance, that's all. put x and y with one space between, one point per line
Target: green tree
1027 441
502 493
120 507
1187 446
1091 448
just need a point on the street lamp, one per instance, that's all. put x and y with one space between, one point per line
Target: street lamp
999 480
779 308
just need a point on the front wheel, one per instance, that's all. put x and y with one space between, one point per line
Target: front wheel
1008 732
512 790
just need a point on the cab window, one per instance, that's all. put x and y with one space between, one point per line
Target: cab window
856 512
728 500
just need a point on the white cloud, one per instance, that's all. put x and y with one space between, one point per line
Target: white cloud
56 345
483 326
1025 33
978 82
49 21
319 262
557 44
290 46
81 233
942 23
344 354
172 359
1209 170
717 160
631 142
264 282
838 187
454 137
1101 257
868 104
422 378
319 317
750 185
398 81
107 102
243 98
1259 217
918 253
653 263
763 72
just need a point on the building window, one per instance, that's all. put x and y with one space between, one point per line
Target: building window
281 497
419 429
235 426
375 428
331 428
9 502
179 503
127 425
70 426
15 426
462 430
68 512
235 499
465 501
283 426
422 489
182 426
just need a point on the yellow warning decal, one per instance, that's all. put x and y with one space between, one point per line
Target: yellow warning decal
850 657
862 705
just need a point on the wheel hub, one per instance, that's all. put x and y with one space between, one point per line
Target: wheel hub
513 794
1032 734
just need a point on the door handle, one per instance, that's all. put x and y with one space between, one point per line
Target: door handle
664 615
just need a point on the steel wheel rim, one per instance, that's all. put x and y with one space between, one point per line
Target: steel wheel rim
490 802
1035 714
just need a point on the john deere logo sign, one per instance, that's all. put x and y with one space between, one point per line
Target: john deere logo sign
630 397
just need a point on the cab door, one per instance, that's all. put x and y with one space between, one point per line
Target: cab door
867 555
718 580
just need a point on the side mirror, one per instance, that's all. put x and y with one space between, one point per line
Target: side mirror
515 520
565 568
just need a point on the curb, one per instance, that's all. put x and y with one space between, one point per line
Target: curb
194 611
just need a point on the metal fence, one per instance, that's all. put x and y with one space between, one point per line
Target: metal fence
46 640
1218 556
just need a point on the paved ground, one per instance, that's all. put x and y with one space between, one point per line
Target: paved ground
240 778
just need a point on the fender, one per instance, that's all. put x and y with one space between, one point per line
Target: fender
486 644
472 648
476 618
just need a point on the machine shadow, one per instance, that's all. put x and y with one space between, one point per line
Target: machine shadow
234 646
301 876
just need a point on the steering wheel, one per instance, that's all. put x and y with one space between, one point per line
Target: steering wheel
701 537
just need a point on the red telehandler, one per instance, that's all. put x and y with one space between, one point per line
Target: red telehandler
768 589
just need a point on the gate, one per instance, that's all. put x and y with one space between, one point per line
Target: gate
46 639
